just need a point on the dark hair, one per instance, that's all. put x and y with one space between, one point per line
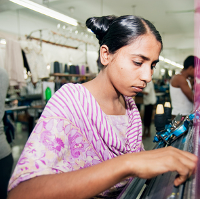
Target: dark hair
116 32
189 61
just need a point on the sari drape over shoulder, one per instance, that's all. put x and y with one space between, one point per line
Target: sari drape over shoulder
74 133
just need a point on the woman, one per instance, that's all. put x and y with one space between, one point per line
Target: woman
89 134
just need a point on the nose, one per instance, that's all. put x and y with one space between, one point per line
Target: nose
146 74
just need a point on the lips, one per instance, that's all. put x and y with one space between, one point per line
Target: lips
138 89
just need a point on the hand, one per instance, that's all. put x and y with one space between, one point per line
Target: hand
148 164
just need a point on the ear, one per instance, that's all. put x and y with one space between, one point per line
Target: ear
104 55
191 68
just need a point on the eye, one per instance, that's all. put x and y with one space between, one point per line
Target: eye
137 63
153 66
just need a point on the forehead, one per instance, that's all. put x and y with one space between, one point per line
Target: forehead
143 44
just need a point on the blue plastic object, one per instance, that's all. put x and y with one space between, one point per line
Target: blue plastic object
170 131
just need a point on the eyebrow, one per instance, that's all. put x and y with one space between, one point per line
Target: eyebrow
145 58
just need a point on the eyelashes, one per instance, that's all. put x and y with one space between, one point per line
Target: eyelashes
140 63
137 63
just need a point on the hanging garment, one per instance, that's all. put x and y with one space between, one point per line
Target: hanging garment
35 60
25 61
14 63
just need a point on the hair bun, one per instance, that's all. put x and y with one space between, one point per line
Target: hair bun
100 25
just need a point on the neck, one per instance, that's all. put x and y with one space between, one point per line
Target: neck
109 99
103 84
185 73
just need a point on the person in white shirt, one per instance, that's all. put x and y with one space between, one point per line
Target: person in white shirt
181 93
149 99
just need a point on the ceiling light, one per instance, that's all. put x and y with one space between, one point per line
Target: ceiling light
170 62
46 11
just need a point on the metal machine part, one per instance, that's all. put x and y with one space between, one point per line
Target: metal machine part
174 130
162 186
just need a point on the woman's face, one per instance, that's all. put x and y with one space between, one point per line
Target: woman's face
131 67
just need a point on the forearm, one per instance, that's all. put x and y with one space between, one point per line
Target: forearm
93 180
83 183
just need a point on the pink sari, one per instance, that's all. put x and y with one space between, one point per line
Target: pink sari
74 133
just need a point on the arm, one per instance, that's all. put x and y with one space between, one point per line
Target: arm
90 181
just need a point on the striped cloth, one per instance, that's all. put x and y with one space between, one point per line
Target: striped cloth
74 133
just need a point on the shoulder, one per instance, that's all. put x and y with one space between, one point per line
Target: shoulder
72 93
71 88
65 101
178 80
67 93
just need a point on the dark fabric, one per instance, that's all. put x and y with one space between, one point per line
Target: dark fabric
8 128
5 173
138 107
25 61
30 125
148 109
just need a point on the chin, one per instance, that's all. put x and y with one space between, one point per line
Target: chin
131 94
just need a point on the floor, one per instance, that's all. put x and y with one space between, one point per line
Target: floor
21 136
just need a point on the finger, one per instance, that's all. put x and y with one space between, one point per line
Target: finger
190 164
179 180
174 152
185 157
189 155
184 172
